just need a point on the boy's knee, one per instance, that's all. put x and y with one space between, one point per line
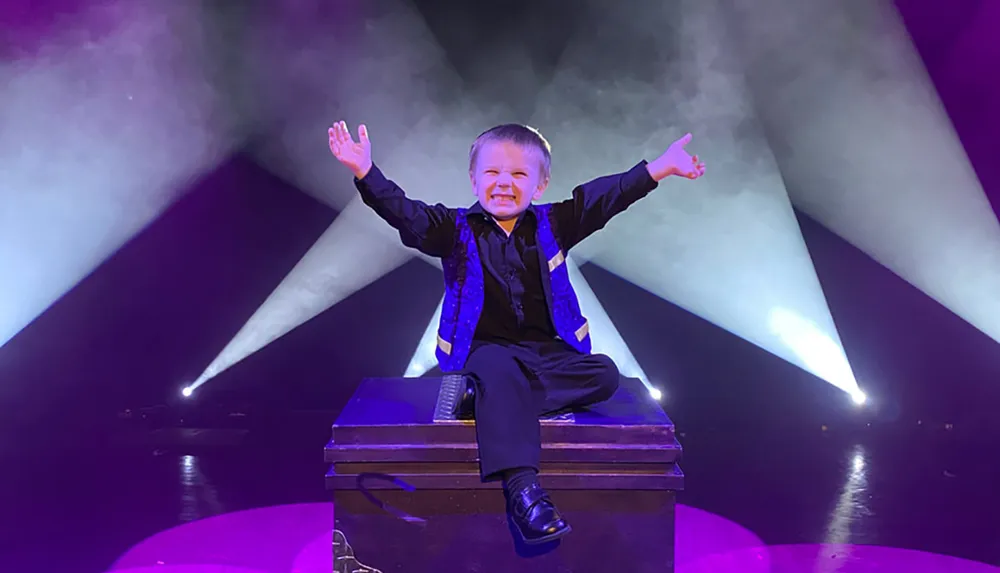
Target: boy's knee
608 376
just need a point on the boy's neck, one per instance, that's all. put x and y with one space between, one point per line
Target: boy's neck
507 224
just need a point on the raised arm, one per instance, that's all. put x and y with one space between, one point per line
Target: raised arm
427 228
596 202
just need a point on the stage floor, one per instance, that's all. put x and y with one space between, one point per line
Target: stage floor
792 501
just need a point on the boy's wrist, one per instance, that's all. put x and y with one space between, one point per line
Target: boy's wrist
363 171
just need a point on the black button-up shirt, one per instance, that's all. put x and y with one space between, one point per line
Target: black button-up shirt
514 308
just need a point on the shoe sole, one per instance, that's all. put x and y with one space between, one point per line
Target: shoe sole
548 538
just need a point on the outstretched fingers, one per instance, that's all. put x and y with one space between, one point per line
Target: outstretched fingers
340 138
339 133
334 141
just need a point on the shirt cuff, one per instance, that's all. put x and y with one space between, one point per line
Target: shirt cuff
373 179
639 179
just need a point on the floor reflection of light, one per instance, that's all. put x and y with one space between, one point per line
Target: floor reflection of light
198 496
851 503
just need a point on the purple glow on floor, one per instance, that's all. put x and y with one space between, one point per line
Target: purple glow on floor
316 556
698 533
266 538
297 539
196 568
832 559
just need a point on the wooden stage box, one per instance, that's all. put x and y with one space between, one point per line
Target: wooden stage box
408 496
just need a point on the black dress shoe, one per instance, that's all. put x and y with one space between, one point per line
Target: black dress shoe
534 515
465 407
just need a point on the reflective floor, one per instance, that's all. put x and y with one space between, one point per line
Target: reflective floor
810 501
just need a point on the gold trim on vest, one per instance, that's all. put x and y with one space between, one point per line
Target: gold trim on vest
581 332
444 345
555 261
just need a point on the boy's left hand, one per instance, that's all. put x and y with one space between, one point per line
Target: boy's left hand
676 161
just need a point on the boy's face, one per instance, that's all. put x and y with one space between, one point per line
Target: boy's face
507 178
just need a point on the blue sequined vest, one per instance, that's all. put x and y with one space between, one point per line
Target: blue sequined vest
463 294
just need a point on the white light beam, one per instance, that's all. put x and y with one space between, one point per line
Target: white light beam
103 129
357 249
726 247
424 358
867 149
604 336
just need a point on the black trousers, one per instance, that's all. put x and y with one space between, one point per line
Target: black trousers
518 383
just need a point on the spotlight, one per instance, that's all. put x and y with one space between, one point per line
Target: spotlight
859 397
187 391
655 393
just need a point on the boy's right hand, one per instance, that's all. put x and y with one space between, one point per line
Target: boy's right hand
356 156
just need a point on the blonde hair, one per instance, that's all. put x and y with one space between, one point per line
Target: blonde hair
521 135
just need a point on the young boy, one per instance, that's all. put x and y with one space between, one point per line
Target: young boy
510 319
